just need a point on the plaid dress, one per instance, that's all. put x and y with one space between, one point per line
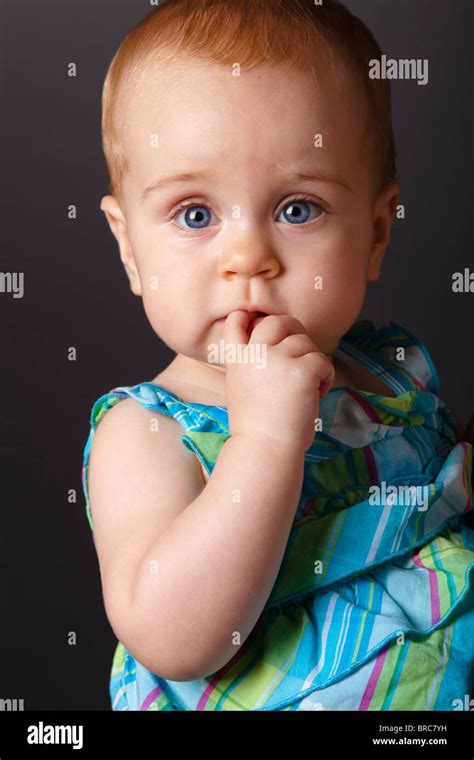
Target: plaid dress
373 604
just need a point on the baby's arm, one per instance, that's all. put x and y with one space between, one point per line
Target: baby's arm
185 567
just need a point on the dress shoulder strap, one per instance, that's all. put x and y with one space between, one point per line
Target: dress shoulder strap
205 426
398 352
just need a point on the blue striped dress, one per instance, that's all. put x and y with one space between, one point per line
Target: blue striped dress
373 604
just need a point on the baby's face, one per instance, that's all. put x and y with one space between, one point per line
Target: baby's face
241 228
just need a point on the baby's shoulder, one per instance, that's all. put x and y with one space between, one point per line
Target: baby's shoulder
140 444
132 426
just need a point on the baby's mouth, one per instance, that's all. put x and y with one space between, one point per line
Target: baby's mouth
255 318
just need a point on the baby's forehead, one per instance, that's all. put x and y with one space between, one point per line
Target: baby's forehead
162 93
194 107
328 76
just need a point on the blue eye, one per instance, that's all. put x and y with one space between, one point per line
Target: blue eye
197 217
297 211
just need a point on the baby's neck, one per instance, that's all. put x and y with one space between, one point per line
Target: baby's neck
185 370
211 378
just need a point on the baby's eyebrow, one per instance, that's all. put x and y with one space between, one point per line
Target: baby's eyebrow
162 182
331 179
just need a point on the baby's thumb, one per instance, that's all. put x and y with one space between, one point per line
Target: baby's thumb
235 328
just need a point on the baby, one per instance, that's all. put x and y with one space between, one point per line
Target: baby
269 558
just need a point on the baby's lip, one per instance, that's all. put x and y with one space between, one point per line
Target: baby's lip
252 314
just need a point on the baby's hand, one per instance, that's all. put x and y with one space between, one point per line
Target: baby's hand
281 400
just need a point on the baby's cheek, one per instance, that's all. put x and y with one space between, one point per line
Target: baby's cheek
157 307
172 323
333 311
339 289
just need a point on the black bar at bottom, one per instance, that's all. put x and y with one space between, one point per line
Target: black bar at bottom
375 734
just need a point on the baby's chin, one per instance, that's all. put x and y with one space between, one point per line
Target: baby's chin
206 352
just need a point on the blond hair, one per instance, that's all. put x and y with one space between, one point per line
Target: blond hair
297 34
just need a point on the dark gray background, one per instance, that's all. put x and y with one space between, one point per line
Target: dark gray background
76 294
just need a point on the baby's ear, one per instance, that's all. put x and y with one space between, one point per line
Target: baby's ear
118 225
385 208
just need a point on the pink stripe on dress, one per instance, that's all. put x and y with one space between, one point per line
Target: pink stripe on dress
373 680
151 697
369 411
